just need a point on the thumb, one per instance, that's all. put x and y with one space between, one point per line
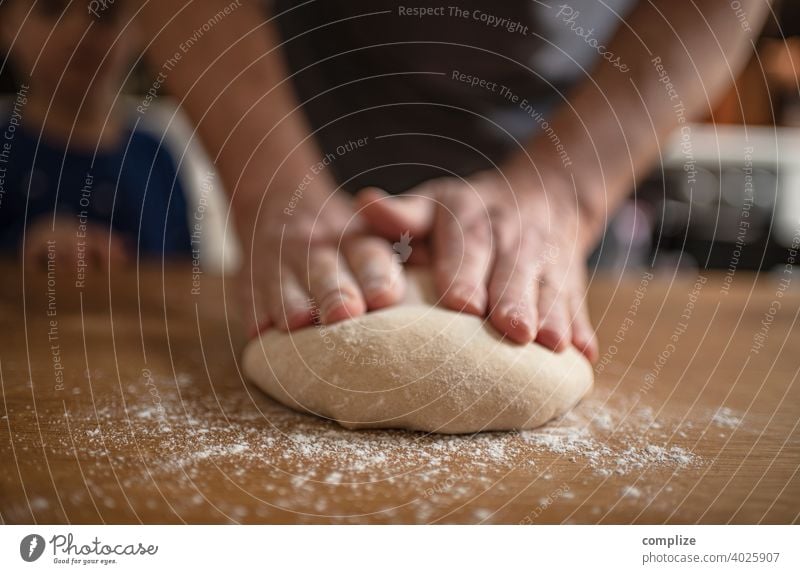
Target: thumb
392 216
253 308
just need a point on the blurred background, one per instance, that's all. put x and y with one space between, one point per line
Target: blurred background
723 218
740 209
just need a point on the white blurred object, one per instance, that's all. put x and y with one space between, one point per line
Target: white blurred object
770 148
219 248
208 204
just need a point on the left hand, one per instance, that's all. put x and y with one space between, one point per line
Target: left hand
96 245
499 247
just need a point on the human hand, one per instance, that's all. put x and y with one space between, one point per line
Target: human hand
498 246
91 245
311 263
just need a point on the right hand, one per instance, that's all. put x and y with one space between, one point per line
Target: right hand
316 263
500 247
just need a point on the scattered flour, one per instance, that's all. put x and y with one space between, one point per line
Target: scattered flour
631 492
726 418
611 442
306 465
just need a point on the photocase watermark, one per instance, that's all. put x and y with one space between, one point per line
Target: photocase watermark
319 167
448 483
31 547
526 106
741 15
546 503
784 282
678 107
51 311
744 223
549 255
680 328
183 48
97 7
353 354
152 388
402 249
478 82
67 551
81 264
626 324
153 90
328 340
569 16
196 231
481 16
14 122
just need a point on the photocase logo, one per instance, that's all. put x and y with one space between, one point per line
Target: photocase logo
31 547
403 247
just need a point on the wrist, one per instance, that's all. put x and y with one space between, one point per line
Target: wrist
294 202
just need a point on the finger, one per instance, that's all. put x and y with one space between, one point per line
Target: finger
513 292
254 313
462 250
420 255
378 270
392 216
332 287
554 316
288 304
583 335
514 283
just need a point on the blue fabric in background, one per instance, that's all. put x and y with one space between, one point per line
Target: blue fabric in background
133 188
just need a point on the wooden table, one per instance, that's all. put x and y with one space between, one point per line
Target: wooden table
123 402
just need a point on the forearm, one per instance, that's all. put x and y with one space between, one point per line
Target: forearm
614 122
233 84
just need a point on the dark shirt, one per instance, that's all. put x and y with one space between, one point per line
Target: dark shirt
133 187
404 79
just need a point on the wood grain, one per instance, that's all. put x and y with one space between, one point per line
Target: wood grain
153 422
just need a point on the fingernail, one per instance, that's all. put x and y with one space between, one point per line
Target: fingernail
375 287
469 298
520 328
520 323
331 304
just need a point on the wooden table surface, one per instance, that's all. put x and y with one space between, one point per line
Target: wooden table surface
123 402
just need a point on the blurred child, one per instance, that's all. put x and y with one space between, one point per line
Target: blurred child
76 176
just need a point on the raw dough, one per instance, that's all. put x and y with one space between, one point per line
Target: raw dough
419 367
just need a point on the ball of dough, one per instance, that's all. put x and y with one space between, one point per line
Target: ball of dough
417 366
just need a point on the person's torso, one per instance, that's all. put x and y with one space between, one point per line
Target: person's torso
449 74
133 188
